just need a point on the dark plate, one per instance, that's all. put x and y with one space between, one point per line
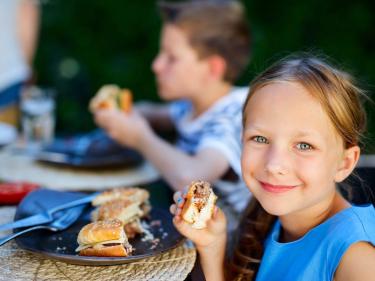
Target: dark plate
125 158
92 150
61 245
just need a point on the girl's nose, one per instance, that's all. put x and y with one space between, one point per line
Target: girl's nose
277 162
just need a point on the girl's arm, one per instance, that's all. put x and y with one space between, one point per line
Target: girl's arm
212 261
358 263
210 242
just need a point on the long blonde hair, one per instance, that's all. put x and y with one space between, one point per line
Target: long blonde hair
339 98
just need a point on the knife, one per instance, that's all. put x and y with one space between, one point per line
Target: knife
47 215
52 156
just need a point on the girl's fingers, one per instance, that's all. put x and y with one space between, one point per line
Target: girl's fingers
177 197
183 227
185 191
173 209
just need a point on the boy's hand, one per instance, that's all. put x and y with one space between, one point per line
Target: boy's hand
128 129
210 238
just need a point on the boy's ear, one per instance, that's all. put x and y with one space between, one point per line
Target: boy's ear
349 161
217 66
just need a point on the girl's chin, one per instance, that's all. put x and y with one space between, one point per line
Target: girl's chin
275 209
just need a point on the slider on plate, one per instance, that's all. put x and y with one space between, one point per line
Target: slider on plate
103 239
128 205
134 194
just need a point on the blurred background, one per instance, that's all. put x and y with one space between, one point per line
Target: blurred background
87 43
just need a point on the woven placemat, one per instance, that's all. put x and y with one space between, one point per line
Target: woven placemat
20 167
17 264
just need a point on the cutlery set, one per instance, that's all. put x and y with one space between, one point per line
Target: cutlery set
55 219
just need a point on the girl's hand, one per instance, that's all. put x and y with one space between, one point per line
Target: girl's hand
213 237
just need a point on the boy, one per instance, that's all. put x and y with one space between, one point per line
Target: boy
204 47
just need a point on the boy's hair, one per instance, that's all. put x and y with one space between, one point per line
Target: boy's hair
340 99
213 28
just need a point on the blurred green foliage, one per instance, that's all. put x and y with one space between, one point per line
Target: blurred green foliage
87 43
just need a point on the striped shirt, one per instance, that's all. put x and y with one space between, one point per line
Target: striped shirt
220 127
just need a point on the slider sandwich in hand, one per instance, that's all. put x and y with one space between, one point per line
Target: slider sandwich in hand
103 239
111 97
199 205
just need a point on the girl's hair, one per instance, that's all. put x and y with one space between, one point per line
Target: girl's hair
214 27
340 99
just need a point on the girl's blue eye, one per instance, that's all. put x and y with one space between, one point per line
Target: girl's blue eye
260 139
304 146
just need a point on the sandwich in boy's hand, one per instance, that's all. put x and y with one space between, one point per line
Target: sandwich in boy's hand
199 205
103 239
111 97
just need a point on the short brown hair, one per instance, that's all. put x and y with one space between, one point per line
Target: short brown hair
213 27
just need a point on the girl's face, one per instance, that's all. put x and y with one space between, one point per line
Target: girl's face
178 69
292 155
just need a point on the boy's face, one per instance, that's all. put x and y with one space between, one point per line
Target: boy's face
179 72
291 152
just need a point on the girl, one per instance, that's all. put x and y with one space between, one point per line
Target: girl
302 124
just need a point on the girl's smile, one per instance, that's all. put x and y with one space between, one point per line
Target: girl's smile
277 188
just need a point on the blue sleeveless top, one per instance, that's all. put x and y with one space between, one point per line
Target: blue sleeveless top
317 254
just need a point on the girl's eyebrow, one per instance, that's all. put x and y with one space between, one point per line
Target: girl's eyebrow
254 127
307 133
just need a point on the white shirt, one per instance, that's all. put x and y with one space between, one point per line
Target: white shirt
13 67
219 127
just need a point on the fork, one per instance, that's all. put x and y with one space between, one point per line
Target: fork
63 222
47 215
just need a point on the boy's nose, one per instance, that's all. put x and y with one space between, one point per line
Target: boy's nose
157 64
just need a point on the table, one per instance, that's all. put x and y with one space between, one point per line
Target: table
17 264
21 167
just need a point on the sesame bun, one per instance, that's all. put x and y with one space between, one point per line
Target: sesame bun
100 231
103 238
134 194
105 251
199 205
120 209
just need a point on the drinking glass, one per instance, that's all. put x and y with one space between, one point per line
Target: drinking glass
38 116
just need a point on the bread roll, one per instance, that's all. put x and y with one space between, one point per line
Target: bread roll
103 238
199 205
121 209
134 194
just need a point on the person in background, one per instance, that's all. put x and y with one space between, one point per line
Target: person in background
19 24
204 47
302 124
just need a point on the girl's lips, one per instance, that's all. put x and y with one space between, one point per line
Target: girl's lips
276 188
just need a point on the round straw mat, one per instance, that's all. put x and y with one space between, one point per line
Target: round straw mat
17 264
17 167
